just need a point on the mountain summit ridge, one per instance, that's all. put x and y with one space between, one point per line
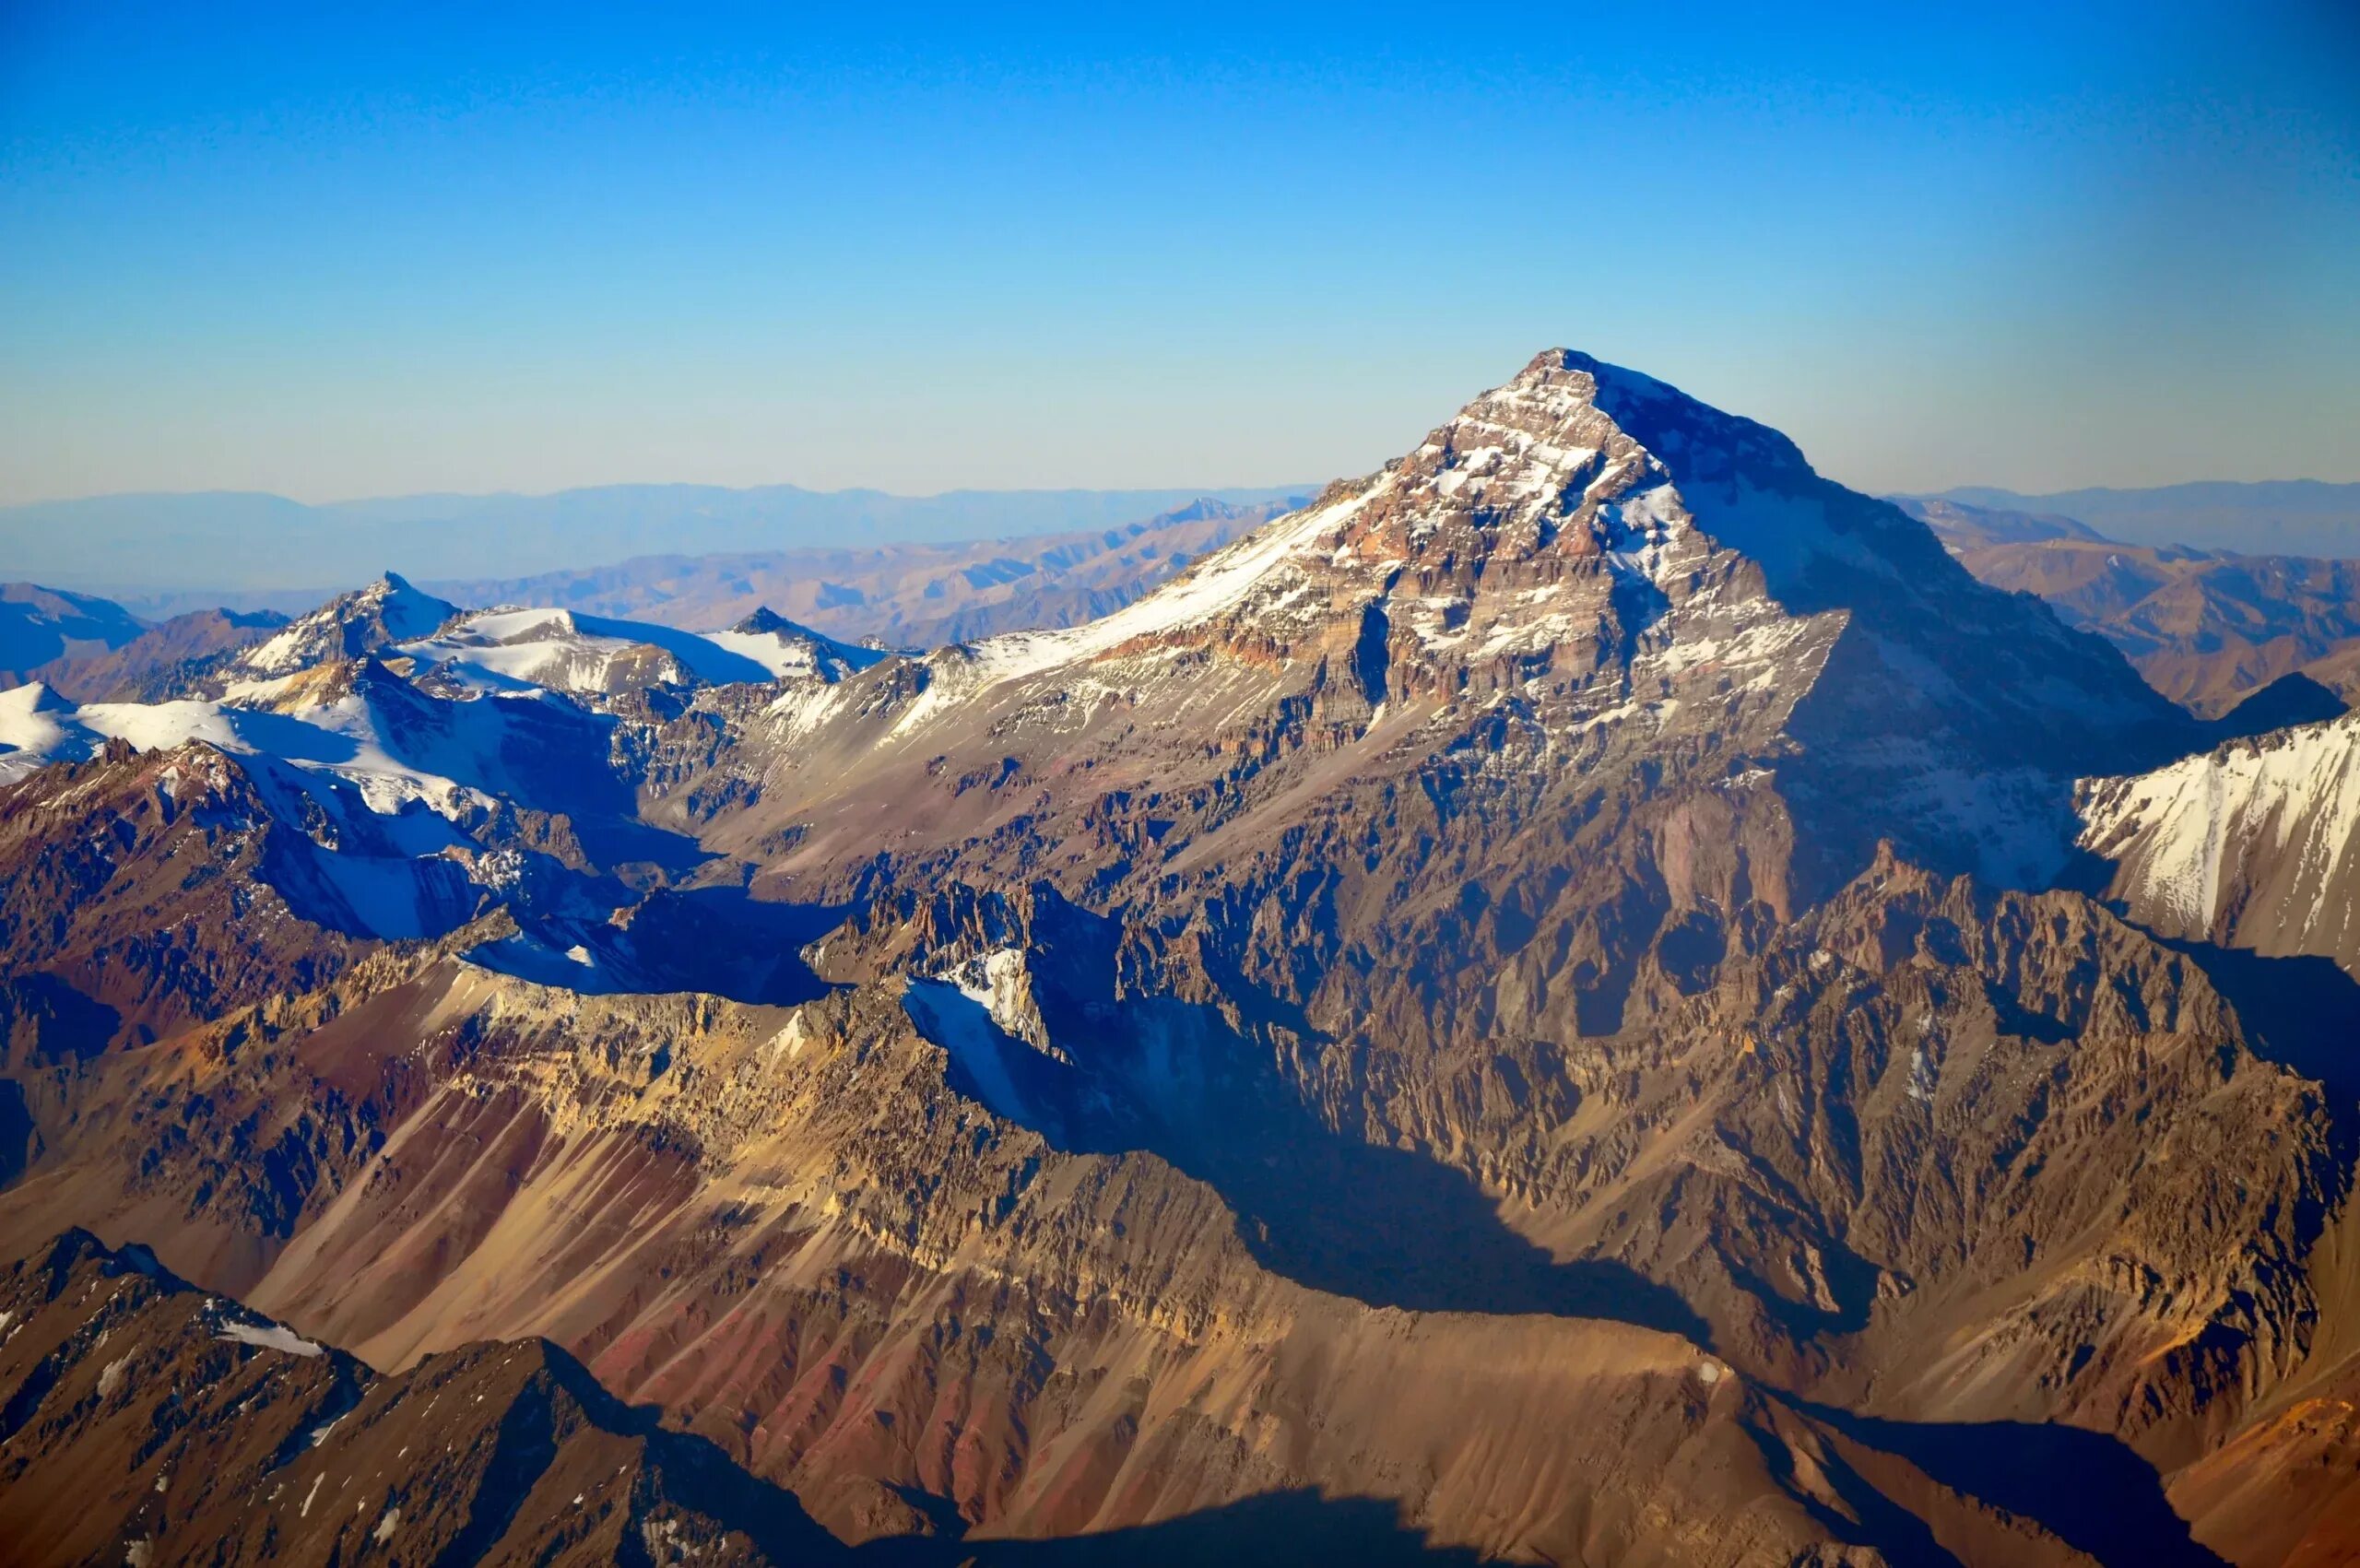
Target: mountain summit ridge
1532 553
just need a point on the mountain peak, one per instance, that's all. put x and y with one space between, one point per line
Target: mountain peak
764 621
1696 440
1585 378
387 612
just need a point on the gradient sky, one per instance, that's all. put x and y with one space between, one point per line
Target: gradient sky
334 252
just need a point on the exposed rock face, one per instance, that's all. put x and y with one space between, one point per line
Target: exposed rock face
1515 704
177 912
1532 991
796 1236
145 1421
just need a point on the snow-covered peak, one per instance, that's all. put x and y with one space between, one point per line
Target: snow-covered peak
792 652
1524 481
363 622
354 719
2194 843
1591 551
515 649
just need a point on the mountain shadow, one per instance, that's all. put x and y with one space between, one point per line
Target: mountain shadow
1316 1202
692 1470
2090 1491
724 941
2294 699
1280 1529
45 1021
2301 1013
716 940
21 1140
1394 1228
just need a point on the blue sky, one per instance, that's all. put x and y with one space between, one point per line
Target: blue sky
408 249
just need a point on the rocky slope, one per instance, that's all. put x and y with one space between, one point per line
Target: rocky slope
185 906
791 1231
258 846
1543 990
1525 632
145 1421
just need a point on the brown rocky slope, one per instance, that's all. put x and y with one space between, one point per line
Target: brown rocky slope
1529 991
800 1239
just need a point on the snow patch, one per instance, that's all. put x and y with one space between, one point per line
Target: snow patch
512 649
2183 832
270 1337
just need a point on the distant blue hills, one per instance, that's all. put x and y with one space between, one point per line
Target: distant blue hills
2260 517
253 547
254 550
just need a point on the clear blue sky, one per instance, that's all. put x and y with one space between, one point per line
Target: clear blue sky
334 252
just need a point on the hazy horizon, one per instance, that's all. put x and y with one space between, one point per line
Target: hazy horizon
1965 489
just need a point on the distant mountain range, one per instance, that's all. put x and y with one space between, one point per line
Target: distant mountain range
2209 629
626 549
163 554
40 625
913 596
2263 517
627 625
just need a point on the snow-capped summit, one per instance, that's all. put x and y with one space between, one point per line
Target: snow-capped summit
1589 551
790 651
1488 546
511 648
387 612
